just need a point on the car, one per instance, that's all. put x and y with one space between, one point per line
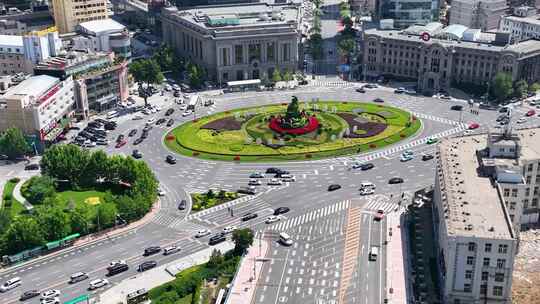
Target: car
406 157
146 112
182 205
169 112
117 262
380 100
136 154
274 182
161 192
367 191
371 86
150 121
281 210
473 126
249 216
288 178
53 300
132 133
273 170
110 126
138 141
151 250
78 277
146 265
29 295
254 182
395 180
147 129
456 108
170 122
334 187
186 113
176 94
120 144
256 175
367 166
51 293
31 167
202 233
228 229
102 142
521 120
431 140
356 166
120 138
170 159
379 215
272 219
445 97
530 113
171 249
216 239
95 284
183 107
10 284
360 90
427 157
400 91
160 121
246 190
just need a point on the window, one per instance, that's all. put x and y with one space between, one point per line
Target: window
501 263
487 247
506 192
514 192
499 277
528 179
286 52
470 260
238 54
534 202
254 52
530 167
503 248
472 246
466 287
486 262
497 291
485 275
271 52
468 274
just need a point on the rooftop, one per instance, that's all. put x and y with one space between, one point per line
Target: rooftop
102 26
11 40
529 139
473 206
530 19
34 86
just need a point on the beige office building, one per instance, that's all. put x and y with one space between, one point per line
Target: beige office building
69 13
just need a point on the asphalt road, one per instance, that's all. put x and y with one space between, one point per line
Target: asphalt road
308 193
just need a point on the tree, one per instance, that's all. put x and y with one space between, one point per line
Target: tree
216 258
535 87
346 47
55 222
210 194
287 76
67 163
316 46
80 218
502 86
96 168
521 88
195 75
23 233
164 57
105 215
146 72
276 76
242 238
13 144
39 189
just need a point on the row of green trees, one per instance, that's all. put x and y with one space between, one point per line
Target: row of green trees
346 41
502 87
315 38
13 144
130 189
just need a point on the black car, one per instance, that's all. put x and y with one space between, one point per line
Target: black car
360 90
249 216
136 154
110 126
456 108
216 239
170 159
367 166
138 141
182 205
246 191
151 250
334 187
169 112
144 135
272 170
147 128
395 180
160 121
132 133
280 173
29 294
116 269
176 94
281 210
120 138
144 266
31 167
380 100
170 122
426 157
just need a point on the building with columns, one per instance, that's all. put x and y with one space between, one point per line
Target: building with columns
236 41
447 57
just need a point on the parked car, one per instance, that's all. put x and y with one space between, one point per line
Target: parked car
170 159
367 166
274 182
246 190
170 122
400 91
138 141
120 144
530 113
31 167
169 112
256 175
136 154
132 133
254 182
334 187
473 126
360 90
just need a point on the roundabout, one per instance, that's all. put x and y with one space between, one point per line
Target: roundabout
293 131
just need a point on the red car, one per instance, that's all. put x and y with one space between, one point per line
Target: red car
474 126
379 215
121 143
530 113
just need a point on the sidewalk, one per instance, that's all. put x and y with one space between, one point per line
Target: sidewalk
243 287
158 276
18 195
396 289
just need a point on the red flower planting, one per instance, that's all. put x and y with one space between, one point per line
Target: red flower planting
195 154
373 146
308 155
402 135
237 158
311 126
170 137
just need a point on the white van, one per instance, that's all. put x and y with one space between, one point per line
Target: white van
367 185
170 250
112 114
10 284
285 239
373 253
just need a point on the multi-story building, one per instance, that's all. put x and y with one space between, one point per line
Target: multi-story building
24 22
39 46
236 42
12 59
69 13
446 56
524 24
408 12
101 83
478 14
40 105
103 35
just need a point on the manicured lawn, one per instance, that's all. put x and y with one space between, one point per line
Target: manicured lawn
202 201
240 145
14 206
80 197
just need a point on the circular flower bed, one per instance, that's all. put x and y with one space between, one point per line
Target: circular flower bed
312 125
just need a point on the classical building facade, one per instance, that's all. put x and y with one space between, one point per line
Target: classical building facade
478 14
236 42
450 55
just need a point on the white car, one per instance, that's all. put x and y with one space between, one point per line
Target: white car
53 300
137 117
150 121
153 110
183 107
117 262
157 108
161 192
51 293
272 219
186 113
146 112
356 166
367 191
229 229
521 120
202 233
274 181
405 158
95 284
288 179
254 182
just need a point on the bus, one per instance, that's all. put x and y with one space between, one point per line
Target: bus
243 85
193 101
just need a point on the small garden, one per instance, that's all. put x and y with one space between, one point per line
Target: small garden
10 205
78 192
293 131
210 199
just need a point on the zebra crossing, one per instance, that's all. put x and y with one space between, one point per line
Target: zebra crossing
311 216
176 222
330 83
380 202
237 201
436 118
